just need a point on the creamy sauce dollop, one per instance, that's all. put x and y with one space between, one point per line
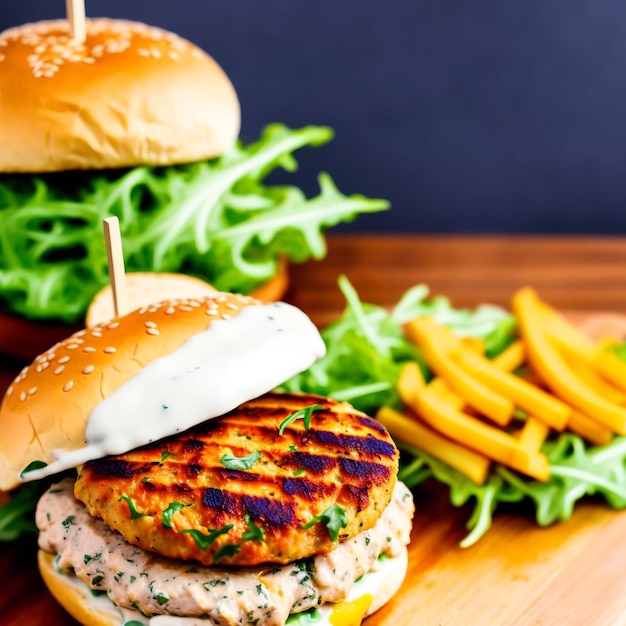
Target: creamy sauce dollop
215 371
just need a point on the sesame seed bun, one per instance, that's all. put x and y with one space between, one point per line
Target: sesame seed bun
130 94
47 406
24 339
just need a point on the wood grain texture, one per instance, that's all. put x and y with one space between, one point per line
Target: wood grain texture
518 574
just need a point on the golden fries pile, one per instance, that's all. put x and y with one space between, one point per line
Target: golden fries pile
476 411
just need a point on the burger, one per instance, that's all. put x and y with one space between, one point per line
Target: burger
138 123
186 490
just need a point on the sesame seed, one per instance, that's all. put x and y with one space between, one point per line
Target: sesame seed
212 311
39 369
109 350
32 391
152 331
64 359
113 325
10 390
185 307
96 333
150 325
71 346
89 349
170 310
59 370
68 385
88 369
232 306
23 396
225 316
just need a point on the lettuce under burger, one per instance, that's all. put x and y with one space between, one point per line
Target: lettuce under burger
138 123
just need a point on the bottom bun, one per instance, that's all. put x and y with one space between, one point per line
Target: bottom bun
391 581
97 610
75 597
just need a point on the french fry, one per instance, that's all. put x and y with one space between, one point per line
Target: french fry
413 432
437 342
589 429
409 382
562 332
480 437
511 358
533 400
593 379
438 385
572 340
533 434
611 367
546 360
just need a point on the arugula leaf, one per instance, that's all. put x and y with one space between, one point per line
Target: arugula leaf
232 462
254 532
366 348
217 219
17 516
134 513
168 513
303 414
204 541
334 518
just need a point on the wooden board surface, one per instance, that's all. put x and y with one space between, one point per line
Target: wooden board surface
518 574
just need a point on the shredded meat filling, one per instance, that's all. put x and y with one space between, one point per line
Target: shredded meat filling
263 595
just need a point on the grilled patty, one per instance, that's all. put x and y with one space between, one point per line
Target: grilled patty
234 490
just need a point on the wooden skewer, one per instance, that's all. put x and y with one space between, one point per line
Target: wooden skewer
115 259
75 10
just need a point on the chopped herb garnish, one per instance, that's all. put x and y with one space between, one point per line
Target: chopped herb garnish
240 462
254 532
161 598
262 593
167 514
164 455
228 549
334 518
89 557
204 541
96 580
298 472
303 414
67 522
134 513
32 466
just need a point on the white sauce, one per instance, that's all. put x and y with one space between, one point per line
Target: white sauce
215 371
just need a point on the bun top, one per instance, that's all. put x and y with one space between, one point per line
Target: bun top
152 373
130 94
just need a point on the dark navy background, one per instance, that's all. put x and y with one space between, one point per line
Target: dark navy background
468 115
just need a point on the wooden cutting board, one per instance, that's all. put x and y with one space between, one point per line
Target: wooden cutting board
517 575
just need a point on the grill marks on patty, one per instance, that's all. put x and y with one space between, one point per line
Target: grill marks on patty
344 458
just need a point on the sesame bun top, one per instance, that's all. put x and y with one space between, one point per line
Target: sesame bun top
48 411
130 94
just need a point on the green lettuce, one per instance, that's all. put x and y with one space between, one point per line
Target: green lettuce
366 351
217 219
